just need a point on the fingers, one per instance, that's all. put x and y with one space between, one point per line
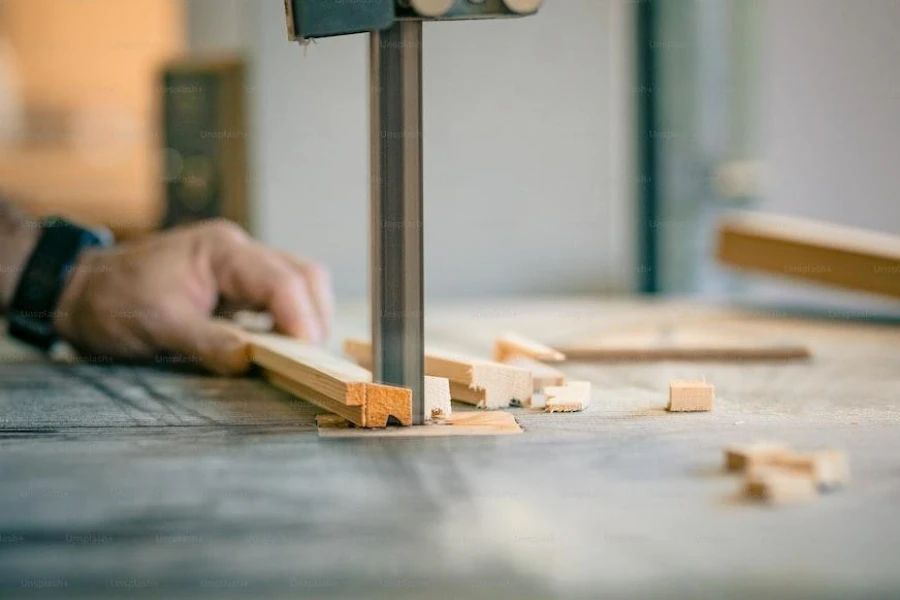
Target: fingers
248 273
219 345
319 281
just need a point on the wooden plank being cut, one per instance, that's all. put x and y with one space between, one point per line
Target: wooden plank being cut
845 257
483 383
330 382
460 424
512 345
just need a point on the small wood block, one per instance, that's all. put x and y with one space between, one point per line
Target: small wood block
512 345
745 456
483 383
438 406
460 424
690 396
829 469
574 397
775 485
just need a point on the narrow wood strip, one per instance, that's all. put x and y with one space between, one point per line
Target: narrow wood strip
604 353
512 345
796 248
331 382
354 414
312 367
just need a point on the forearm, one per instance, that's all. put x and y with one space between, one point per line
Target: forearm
18 236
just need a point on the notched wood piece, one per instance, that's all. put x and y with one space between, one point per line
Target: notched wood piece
740 457
776 485
829 469
483 383
690 396
573 397
460 424
512 345
330 382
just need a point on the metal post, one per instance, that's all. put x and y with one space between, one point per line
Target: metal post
396 272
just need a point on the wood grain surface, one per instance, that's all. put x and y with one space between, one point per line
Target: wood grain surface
160 482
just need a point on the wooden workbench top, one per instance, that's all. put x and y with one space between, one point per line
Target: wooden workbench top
161 482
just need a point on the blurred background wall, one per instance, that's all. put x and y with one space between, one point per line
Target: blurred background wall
531 186
526 151
86 73
831 106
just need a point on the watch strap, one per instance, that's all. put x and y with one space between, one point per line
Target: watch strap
33 309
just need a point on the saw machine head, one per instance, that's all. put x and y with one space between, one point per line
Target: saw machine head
321 18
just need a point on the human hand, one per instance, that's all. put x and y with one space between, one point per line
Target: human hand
161 294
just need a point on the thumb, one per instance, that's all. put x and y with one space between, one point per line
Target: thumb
219 345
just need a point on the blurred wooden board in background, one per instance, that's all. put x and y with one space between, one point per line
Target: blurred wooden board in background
789 247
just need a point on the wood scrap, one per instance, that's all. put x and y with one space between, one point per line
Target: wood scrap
330 382
572 397
438 406
662 349
690 396
482 383
829 469
845 257
742 457
542 375
512 345
459 424
779 486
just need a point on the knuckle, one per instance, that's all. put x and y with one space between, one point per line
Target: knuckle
226 231
289 285
317 272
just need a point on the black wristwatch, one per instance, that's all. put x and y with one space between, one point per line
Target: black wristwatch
31 313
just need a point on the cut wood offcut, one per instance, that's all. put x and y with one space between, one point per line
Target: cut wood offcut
690 396
742 457
330 382
573 397
779 486
827 468
542 375
482 383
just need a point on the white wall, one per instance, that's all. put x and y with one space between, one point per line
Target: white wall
832 110
527 142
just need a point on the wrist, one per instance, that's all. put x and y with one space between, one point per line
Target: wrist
73 290
18 238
